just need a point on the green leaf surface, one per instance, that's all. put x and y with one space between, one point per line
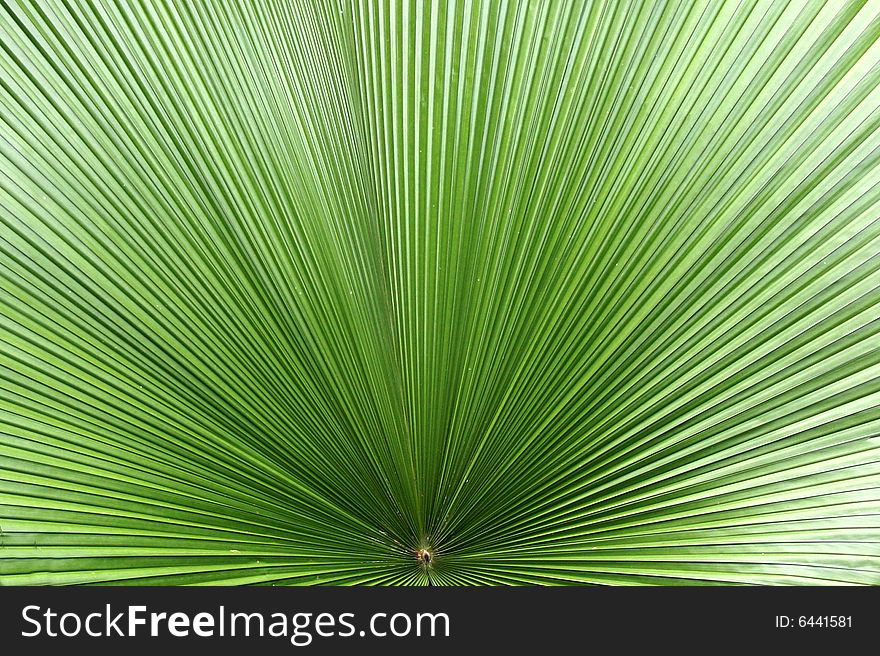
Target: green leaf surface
561 292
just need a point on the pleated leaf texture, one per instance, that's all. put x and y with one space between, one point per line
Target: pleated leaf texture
537 292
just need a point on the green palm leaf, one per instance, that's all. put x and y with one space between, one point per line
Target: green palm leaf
558 292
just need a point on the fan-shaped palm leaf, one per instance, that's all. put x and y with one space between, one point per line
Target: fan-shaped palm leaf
559 292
